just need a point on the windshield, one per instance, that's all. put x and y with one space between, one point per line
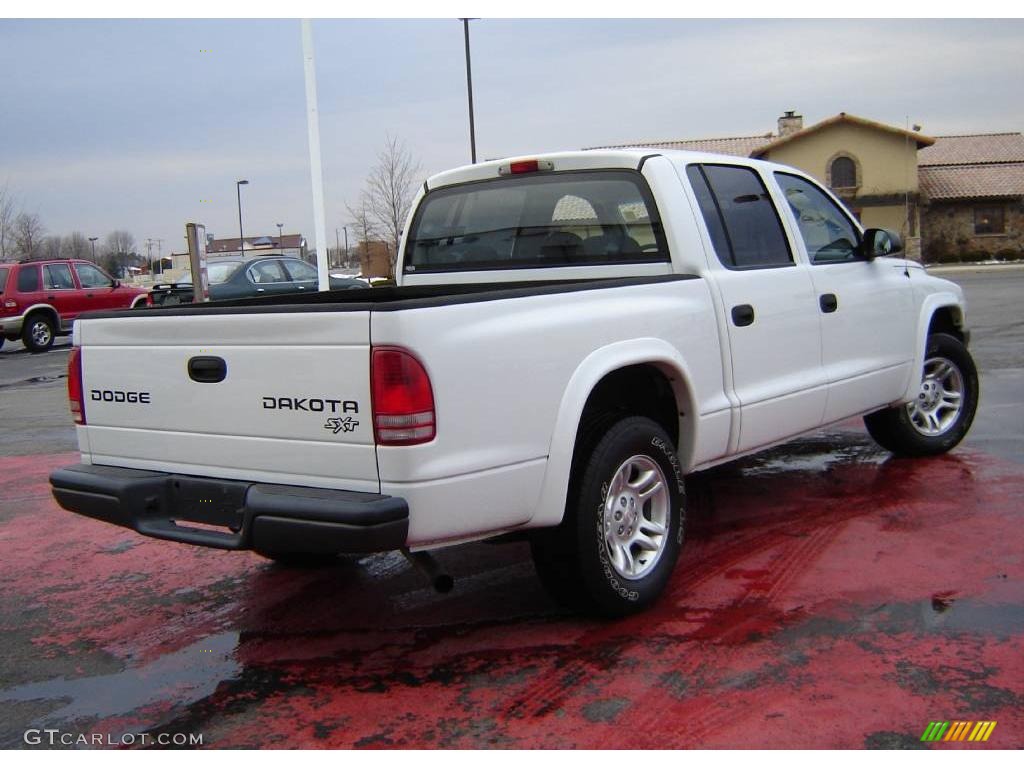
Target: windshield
217 272
561 219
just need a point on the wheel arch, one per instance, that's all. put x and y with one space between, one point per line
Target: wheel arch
940 313
638 368
47 309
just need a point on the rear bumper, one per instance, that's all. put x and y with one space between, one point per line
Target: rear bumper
235 514
11 326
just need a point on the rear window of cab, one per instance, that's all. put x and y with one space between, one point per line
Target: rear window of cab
569 218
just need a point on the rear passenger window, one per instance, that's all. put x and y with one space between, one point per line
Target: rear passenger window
28 279
58 277
3 278
746 218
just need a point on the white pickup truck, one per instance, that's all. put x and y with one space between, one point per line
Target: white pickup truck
570 335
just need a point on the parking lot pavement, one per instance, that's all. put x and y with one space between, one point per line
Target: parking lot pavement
827 596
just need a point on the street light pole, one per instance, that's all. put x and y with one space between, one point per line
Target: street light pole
92 241
241 237
347 260
469 90
280 239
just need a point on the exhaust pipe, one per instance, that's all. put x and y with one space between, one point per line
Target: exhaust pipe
425 563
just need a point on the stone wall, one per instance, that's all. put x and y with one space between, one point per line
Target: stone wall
947 231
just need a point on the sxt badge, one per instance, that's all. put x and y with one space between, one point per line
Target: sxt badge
348 424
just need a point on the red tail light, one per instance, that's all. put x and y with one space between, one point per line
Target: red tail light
403 401
75 399
525 166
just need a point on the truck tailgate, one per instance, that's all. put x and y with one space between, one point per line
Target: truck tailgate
273 396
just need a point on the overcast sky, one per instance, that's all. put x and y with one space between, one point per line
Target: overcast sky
131 124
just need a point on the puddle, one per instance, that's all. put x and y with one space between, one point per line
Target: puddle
183 677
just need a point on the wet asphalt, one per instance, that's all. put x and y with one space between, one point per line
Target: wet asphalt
828 595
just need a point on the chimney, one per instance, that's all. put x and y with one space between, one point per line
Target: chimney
790 123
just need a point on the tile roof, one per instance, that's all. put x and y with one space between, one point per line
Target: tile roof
843 117
974 149
957 182
743 146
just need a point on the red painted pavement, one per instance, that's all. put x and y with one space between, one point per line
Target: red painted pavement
826 597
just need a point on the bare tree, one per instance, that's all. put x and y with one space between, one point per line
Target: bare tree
118 252
76 246
28 234
51 247
363 226
389 190
7 218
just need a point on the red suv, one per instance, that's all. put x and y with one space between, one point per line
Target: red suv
40 299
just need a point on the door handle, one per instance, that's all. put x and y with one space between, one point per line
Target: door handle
828 302
743 314
207 369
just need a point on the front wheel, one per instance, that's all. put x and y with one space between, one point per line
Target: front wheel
617 546
940 414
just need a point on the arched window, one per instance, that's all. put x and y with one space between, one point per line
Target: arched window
843 173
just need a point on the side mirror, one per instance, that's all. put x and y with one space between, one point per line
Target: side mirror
117 283
880 242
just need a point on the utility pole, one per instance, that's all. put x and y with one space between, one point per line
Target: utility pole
149 257
160 253
241 237
280 239
469 90
316 172
348 260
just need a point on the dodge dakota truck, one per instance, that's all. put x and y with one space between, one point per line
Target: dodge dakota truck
570 335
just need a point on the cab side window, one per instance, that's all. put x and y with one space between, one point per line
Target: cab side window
829 235
741 218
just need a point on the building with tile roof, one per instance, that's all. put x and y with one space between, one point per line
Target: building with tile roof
943 194
974 187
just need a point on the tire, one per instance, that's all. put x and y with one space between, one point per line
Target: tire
626 495
937 420
299 559
38 332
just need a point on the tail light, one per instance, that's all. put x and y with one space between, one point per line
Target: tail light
525 166
403 401
75 400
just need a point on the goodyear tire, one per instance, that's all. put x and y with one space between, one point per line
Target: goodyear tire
943 410
620 538
38 332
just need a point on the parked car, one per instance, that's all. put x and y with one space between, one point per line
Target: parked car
571 335
39 300
231 278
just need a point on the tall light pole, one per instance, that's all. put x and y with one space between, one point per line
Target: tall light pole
280 239
469 90
241 237
92 242
347 259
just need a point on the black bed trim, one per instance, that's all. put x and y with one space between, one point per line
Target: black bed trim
393 299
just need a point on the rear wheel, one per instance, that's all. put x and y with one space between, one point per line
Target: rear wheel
623 527
37 334
941 413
